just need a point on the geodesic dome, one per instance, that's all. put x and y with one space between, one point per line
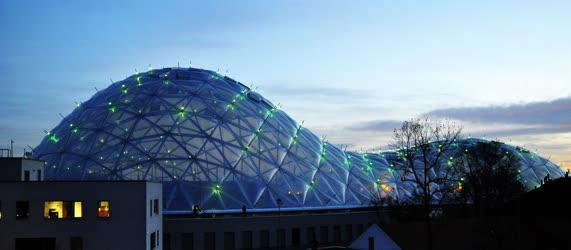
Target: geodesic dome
216 143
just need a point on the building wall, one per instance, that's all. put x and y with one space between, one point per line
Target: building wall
356 222
35 169
126 228
154 220
13 169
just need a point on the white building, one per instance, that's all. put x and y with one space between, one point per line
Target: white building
76 215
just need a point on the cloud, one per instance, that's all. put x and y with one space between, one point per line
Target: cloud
546 129
556 112
376 126
318 92
548 117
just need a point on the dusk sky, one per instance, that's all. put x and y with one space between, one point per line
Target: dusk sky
351 70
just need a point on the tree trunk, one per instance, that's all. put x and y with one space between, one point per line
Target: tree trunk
427 210
429 234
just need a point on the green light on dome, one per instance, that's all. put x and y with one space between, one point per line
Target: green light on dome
294 139
231 106
270 112
217 189
138 79
311 184
53 138
112 107
181 112
124 89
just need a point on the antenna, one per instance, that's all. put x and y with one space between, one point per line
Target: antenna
11 148
190 64
60 115
96 90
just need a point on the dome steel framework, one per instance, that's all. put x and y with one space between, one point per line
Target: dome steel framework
214 142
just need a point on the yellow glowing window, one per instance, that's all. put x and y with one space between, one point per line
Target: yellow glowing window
63 209
103 209
77 209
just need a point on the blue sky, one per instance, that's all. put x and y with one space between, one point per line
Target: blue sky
349 69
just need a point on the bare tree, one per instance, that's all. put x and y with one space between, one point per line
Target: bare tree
424 148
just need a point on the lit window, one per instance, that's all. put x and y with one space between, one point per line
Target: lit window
77 209
103 209
63 209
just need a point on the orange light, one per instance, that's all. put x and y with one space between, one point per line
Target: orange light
386 187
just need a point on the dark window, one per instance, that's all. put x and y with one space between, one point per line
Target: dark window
337 234
158 239
324 235
22 209
209 241
187 241
264 239
295 237
39 175
150 207
311 237
247 240
371 243
26 175
281 238
349 232
156 206
166 242
229 243
35 243
76 243
153 241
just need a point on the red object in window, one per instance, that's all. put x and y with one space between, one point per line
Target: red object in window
103 211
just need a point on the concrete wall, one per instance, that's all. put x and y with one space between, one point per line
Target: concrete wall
126 228
175 227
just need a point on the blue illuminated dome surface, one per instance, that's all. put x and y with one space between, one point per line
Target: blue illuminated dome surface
213 141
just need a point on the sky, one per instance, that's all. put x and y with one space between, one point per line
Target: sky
351 70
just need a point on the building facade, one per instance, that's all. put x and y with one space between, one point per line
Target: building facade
79 215
286 230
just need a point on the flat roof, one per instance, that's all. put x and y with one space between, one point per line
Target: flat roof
20 158
84 181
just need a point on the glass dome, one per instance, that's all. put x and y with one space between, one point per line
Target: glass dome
216 143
